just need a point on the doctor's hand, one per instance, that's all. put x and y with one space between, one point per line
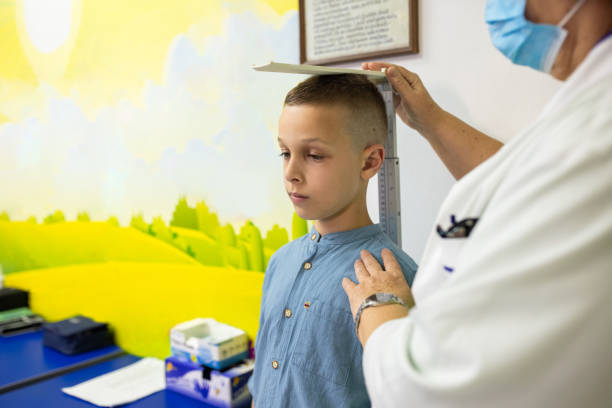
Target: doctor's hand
413 103
372 278
460 146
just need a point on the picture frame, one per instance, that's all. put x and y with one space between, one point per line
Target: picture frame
334 31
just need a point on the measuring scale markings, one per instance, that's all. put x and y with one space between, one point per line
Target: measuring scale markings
388 176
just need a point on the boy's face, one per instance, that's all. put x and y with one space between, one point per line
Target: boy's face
321 166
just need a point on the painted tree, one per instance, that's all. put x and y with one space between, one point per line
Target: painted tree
159 230
114 221
243 257
299 227
227 236
83 217
184 215
57 216
32 220
139 223
276 238
234 252
250 234
4 216
208 222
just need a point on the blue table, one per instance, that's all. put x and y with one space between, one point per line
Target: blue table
49 393
24 360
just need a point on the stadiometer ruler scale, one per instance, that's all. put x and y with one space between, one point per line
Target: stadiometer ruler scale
388 176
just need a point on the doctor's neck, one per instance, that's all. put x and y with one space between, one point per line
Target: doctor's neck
589 25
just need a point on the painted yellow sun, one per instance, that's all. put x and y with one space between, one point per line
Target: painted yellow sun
47 23
100 51
48 30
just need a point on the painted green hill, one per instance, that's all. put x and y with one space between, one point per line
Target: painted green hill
206 250
26 245
209 251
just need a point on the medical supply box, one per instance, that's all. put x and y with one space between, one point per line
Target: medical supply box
221 388
209 342
20 320
13 298
77 334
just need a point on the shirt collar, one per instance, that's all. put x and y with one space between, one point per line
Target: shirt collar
344 237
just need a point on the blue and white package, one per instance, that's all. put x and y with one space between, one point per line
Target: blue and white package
225 389
209 342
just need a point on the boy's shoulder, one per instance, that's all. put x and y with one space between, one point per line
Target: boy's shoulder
286 249
374 244
382 241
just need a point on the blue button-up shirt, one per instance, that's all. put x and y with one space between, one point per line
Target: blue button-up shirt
306 351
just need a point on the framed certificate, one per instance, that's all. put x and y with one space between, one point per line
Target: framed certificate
346 30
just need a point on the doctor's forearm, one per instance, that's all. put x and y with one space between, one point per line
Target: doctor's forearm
460 146
373 317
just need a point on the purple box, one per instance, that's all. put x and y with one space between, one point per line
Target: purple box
227 389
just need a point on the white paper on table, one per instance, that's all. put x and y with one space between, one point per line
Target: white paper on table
122 386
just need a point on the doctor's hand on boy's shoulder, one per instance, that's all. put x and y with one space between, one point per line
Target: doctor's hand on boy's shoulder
373 278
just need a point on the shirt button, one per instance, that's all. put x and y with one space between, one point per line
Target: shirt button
306 305
307 265
313 237
275 364
288 313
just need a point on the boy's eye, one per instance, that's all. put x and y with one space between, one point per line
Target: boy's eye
315 157
284 155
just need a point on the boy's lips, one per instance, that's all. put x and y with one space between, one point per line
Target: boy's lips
297 198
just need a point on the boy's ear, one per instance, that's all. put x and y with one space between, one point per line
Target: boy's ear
372 159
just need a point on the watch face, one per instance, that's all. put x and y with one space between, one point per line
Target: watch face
383 297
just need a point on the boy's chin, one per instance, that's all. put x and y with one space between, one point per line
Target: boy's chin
305 215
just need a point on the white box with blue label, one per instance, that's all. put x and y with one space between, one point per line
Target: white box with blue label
226 389
209 342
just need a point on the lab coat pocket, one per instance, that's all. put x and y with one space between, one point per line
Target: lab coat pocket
448 252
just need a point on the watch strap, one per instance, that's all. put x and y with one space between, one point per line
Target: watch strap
377 299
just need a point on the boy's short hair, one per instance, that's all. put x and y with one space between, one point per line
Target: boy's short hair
367 119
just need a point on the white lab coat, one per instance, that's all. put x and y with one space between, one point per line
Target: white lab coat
525 317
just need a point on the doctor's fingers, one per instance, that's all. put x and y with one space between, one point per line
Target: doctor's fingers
391 265
413 79
401 79
375 65
348 286
371 264
360 271
404 82
352 292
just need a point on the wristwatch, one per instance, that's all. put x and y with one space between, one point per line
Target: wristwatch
376 299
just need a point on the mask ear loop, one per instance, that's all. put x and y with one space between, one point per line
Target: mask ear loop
571 13
552 55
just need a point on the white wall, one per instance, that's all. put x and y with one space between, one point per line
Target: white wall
468 77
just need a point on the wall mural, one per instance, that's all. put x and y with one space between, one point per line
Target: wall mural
140 181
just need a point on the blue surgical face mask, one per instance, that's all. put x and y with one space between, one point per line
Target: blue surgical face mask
524 42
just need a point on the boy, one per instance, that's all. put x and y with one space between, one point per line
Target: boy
331 135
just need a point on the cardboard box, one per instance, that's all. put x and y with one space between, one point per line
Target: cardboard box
210 343
227 389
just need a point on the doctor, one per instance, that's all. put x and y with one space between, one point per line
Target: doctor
512 302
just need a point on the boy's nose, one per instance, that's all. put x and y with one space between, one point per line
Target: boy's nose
292 171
